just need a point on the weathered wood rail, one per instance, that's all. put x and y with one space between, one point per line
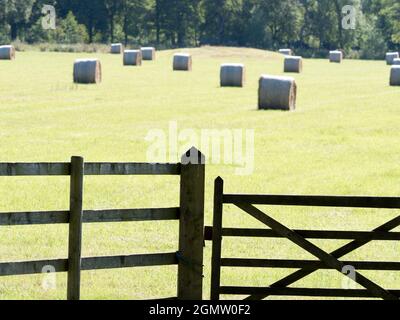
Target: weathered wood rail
326 260
189 213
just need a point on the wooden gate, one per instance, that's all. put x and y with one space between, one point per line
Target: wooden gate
190 215
326 260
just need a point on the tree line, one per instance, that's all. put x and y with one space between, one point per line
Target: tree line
363 28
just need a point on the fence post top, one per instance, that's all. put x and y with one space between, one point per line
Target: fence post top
193 156
76 158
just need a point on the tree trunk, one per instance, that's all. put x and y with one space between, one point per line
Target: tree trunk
112 28
158 25
181 29
339 21
221 29
181 36
90 31
196 38
14 31
125 29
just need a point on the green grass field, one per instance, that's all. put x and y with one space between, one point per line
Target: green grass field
343 139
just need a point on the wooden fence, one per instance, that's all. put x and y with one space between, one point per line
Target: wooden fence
299 237
190 214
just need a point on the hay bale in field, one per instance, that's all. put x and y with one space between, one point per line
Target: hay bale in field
232 75
116 48
277 93
396 62
336 56
7 53
182 62
390 56
293 64
87 71
132 58
286 52
395 76
148 53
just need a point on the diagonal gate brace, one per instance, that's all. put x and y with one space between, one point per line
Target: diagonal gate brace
325 257
338 253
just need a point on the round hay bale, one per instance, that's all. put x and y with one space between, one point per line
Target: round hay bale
395 76
396 62
293 64
277 93
87 71
148 53
336 56
286 52
232 75
390 56
132 58
182 62
116 48
7 53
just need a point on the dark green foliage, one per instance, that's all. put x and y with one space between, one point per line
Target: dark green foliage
311 27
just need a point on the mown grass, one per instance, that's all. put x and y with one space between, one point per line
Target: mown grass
343 139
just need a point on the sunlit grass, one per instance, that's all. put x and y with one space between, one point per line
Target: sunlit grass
343 139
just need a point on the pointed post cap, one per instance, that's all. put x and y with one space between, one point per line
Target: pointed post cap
219 185
193 156
219 179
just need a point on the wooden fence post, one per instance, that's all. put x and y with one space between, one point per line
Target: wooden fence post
217 239
75 228
191 227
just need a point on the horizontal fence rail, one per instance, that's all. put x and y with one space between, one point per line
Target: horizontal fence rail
189 214
91 169
309 234
301 292
326 260
89 216
299 264
315 201
95 263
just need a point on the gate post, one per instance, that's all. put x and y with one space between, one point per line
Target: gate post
191 226
217 239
